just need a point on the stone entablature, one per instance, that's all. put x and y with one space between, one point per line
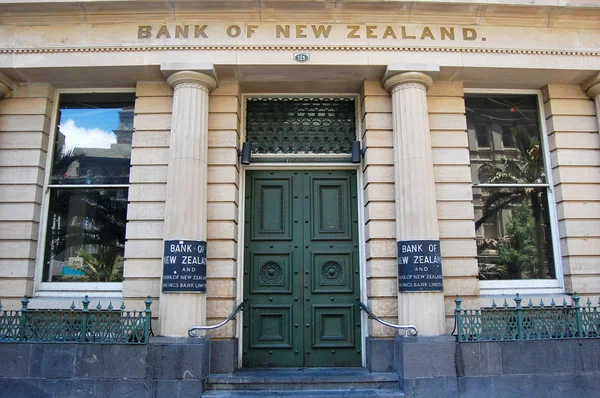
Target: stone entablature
201 34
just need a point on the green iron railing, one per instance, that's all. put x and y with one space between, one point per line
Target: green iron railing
527 322
86 325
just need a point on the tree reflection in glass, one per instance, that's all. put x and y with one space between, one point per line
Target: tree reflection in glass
510 190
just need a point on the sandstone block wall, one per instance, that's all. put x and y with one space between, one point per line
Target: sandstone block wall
25 125
142 270
223 206
574 146
379 208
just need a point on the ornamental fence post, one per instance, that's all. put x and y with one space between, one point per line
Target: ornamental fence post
457 311
577 314
519 310
84 318
148 313
23 326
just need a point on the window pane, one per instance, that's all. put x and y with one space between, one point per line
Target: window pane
513 233
93 139
483 136
511 151
85 235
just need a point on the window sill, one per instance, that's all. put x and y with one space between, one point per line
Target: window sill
80 289
525 288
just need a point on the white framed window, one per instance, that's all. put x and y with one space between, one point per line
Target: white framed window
513 200
82 238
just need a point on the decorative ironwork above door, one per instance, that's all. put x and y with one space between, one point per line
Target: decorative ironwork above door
316 126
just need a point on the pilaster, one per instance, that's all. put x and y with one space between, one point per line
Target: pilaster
186 201
415 198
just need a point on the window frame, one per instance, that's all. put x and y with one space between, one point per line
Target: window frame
69 289
531 286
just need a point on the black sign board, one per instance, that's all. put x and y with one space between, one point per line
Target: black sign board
419 266
184 266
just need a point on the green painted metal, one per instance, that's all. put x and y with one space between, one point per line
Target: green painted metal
300 125
301 270
527 322
85 325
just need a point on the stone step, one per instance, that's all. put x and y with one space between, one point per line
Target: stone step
297 379
306 393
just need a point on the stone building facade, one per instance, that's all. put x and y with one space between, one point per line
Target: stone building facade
187 71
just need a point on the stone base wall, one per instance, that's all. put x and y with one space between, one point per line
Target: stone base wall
224 356
166 367
441 367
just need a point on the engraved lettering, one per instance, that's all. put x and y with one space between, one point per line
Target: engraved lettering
469 34
353 29
282 30
233 31
182 31
449 33
199 31
250 30
389 31
405 36
427 33
371 32
163 31
144 32
321 30
300 32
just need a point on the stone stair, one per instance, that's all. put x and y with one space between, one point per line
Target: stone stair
303 382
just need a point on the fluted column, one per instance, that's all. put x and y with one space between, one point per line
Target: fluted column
186 202
416 211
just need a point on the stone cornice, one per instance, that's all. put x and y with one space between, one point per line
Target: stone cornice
543 13
589 53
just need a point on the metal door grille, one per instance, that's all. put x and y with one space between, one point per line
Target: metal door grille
300 125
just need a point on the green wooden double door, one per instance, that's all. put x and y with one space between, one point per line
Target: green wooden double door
301 270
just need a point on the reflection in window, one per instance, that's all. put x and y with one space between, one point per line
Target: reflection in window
88 189
509 188
483 136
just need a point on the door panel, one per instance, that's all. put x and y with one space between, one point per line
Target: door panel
301 278
271 209
330 209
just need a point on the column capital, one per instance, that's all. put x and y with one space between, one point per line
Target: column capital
419 78
192 77
5 85
592 86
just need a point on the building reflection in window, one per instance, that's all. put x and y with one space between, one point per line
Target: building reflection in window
87 211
